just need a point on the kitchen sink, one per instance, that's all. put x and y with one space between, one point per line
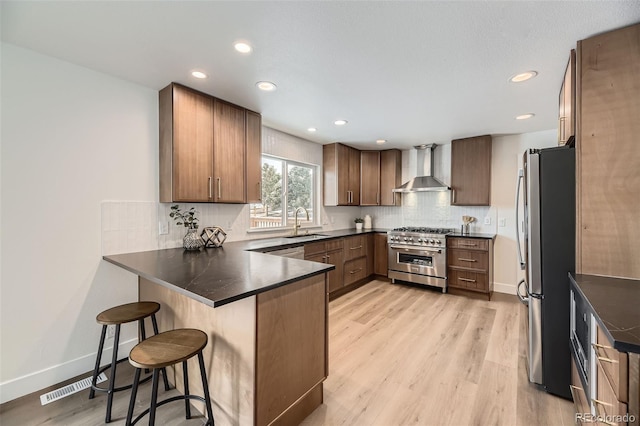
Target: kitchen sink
309 236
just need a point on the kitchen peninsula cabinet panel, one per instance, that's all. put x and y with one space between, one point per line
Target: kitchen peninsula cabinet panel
329 252
369 178
254 157
608 164
381 255
341 175
390 176
229 153
186 145
471 171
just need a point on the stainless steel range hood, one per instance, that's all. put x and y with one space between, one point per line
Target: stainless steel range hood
424 181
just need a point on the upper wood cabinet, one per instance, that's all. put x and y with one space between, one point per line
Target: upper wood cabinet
390 176
229 153
205 144
471 171
607 156
186 145
341 175
369 178
567 102
254 157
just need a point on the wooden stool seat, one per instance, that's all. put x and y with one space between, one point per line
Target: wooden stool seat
160 351
127 313
117 316
168 348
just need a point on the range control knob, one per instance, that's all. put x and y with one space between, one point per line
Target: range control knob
405 238
411 239
438 242
431 242
419 240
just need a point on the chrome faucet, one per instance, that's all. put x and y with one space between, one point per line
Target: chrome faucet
296 225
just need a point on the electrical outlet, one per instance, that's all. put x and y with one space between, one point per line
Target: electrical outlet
487 220
503 222
111 331
163 228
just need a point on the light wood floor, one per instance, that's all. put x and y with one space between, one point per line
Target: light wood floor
398 355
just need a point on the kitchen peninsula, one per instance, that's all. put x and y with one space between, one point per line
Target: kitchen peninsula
266 318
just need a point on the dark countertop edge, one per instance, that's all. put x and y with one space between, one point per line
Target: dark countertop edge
617 344
325 236
212 303
477 235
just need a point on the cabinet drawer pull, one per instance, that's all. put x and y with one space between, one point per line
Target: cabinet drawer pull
576 388
355 271
466 260
467 280
467 244
210 189
597 401
355 248
597 345
219 189
609 360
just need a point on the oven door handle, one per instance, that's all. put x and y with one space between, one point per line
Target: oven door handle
415 249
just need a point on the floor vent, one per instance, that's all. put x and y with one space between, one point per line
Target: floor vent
69 389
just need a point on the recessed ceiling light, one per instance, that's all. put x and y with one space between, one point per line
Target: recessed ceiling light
381 141
198 74
525 116
519 78
267 86
340 122
243 47
311 129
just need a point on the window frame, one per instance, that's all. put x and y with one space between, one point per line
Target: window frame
315 194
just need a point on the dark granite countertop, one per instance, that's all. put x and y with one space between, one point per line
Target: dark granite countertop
473 235
615 303
217 276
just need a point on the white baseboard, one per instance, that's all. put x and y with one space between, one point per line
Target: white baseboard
504 288
32 382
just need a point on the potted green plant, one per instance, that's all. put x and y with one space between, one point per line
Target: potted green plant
191 240
359 221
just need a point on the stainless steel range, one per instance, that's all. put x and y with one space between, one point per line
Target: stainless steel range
419 255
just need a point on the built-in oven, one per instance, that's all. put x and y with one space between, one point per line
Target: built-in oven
580 320
418 257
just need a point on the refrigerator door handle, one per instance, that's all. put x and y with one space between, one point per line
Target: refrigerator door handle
520 259
524 299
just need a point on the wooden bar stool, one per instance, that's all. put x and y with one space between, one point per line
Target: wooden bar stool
163 350
117 316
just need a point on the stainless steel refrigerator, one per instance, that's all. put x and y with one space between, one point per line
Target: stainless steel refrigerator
545 216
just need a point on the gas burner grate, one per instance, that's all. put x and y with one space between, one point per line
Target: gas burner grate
424 230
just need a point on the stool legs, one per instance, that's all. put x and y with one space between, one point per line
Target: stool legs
205 387
134 391
154 397
92 392
185 375
112 380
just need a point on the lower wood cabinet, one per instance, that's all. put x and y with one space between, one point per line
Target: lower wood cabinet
470 264
381 255
330 252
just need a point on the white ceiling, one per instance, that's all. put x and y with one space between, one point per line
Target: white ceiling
409 72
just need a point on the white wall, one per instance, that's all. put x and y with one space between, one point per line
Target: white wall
71 137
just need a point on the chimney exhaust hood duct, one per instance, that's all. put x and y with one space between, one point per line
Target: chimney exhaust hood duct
424 181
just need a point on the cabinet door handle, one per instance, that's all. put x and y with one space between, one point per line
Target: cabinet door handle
210 189
355 271
466 280
466 260
355 248
598 345
378 198
453 193
219 188
327 257
259 191
597 401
